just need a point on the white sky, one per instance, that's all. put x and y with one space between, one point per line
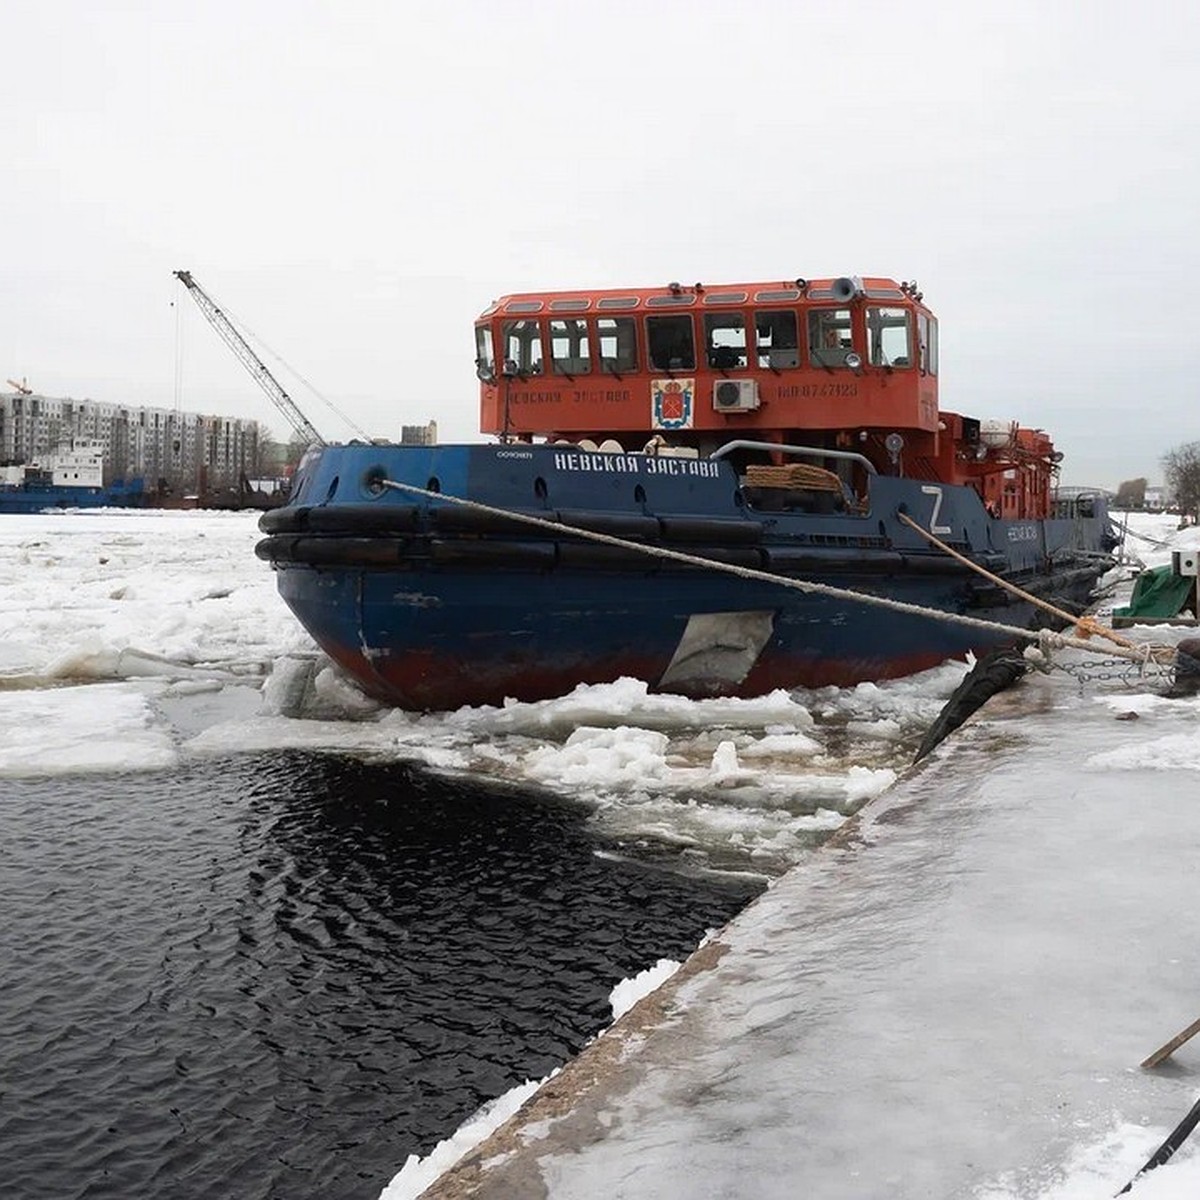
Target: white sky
357 181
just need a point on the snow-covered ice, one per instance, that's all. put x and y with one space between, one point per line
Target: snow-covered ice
952 1004
134 640
129 640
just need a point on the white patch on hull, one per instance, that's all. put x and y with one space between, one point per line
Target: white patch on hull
717 651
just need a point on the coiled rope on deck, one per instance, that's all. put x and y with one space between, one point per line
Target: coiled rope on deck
1045 639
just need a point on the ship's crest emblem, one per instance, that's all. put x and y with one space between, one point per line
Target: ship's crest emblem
671 403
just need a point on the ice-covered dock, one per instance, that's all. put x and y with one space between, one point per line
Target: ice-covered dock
950 1001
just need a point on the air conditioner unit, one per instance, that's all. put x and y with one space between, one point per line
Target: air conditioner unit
735 395
1185 562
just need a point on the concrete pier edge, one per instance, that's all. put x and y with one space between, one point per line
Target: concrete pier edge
570 1100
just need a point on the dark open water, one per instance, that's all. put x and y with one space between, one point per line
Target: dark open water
279 975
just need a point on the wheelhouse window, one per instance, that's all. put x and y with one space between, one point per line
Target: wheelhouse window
616 339
569 346
927 344
485 357
888 337
672 346
776 339
522 347
725 346
829 336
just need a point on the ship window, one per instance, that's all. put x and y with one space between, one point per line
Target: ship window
618 302
485 358
778 294
829 336
888 338
671 345
927 343
569 305
725 341
522 348
776 339
617 342
569 353
523 306
725 298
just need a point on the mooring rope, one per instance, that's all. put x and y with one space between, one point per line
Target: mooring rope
1046 639
1142 537
1084 626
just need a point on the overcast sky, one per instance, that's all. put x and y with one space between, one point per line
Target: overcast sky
357 181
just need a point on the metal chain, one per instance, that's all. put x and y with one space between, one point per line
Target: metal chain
1109 670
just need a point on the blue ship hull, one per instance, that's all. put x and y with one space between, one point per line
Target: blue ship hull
32 498
433 606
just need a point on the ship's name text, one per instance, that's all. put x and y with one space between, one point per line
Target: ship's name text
631 464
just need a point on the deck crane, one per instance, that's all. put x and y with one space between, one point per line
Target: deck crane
255 365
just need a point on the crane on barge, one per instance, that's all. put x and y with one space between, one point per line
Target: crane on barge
255 365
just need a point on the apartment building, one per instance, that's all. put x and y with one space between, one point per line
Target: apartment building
174 452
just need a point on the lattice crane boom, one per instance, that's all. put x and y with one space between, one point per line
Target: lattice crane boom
255 365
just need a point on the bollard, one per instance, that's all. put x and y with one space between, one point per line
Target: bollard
1187 668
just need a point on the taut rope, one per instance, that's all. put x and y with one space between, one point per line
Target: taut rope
1084 626
1045 638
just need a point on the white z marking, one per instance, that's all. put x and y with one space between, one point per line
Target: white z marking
936 493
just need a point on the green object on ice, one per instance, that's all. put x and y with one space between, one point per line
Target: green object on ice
1159 593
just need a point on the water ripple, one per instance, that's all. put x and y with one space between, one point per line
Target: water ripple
281 974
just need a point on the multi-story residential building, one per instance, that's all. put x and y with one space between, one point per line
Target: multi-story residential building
174 452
